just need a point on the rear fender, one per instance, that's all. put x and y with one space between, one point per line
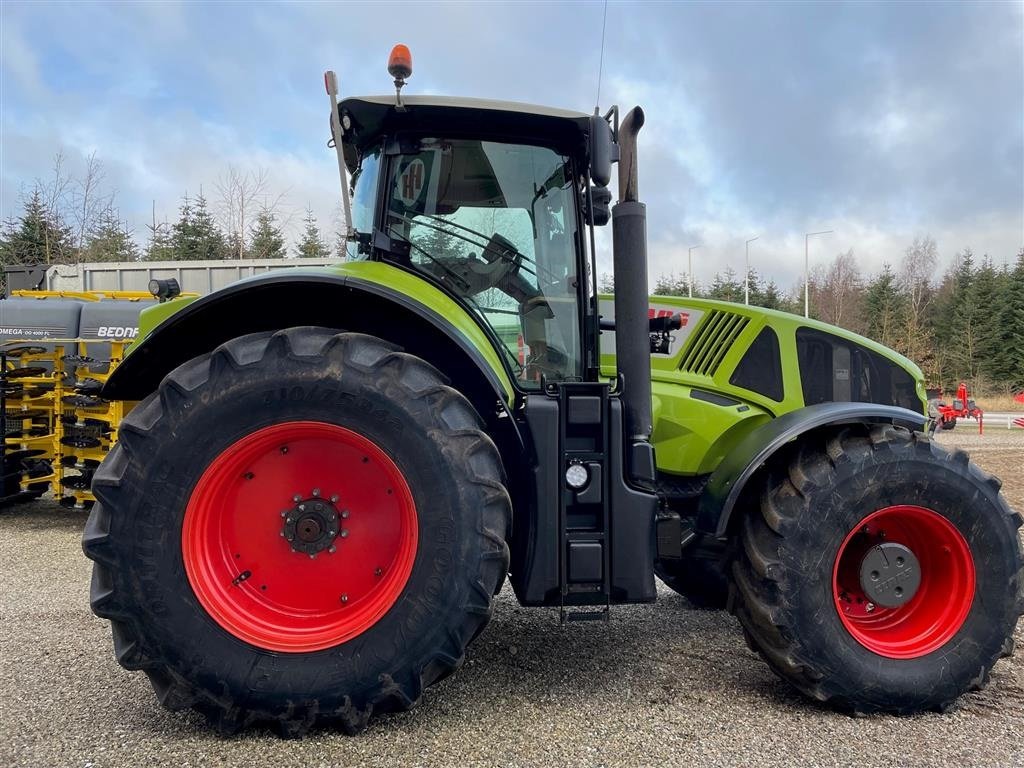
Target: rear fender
430 326
729 480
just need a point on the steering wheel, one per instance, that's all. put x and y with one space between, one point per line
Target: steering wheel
500 261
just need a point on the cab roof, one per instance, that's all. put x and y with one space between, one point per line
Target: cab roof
373 117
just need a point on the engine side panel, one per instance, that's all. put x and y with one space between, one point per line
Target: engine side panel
731 368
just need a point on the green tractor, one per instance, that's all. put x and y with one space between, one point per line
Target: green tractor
328 475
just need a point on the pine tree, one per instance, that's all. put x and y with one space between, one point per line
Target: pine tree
885 305
265 239
1007 364
768 296
110 241
209 239
985 294
959 320
160 246
194 237
726 287
312 245
38 236
234 244
439 242
670 285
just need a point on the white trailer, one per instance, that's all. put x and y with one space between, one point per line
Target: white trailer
193 276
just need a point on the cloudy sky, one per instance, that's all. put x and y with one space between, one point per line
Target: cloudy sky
880 121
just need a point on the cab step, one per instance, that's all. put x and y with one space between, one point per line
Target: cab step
601 615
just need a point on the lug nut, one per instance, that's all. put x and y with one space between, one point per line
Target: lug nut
344 533
312 556
316 491
284 513
344 598
332 549
344 514
334 499
296 498
870 607
302 507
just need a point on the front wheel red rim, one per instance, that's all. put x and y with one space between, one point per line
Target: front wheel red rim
299 536
943 591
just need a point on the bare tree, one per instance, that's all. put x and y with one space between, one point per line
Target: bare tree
916 273
54 194
839 289
240 195
91 202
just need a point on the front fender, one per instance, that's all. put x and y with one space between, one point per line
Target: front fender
727 482
363 297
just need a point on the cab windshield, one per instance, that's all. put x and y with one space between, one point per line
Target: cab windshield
495 224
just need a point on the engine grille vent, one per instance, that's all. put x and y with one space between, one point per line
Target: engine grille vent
712 341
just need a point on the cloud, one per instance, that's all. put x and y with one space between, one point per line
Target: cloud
880 121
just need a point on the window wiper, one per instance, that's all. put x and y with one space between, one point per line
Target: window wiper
433 259
486 239
483 247
508 352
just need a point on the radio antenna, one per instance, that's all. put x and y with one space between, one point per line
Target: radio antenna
600 65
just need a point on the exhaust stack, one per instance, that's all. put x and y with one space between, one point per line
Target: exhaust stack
632 335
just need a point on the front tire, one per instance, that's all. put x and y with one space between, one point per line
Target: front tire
302 526
817 582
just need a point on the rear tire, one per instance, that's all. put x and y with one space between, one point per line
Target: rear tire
155 532
799 611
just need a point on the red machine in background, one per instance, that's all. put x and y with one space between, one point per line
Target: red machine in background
944 416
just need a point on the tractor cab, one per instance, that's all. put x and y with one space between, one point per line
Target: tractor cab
494 220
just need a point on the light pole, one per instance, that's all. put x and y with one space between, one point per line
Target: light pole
807 271
689 270
746 274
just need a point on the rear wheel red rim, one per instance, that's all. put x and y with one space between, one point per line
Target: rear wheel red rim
299 536
940 605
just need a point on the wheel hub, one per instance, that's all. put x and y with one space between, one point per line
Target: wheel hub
312 525
890 574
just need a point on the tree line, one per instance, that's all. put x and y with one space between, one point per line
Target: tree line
67 219
962 324
966 323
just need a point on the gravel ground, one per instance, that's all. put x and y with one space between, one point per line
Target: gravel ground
658 684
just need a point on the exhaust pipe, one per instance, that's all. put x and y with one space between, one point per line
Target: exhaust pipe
632 335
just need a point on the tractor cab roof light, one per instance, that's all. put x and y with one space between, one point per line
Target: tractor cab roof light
400 68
